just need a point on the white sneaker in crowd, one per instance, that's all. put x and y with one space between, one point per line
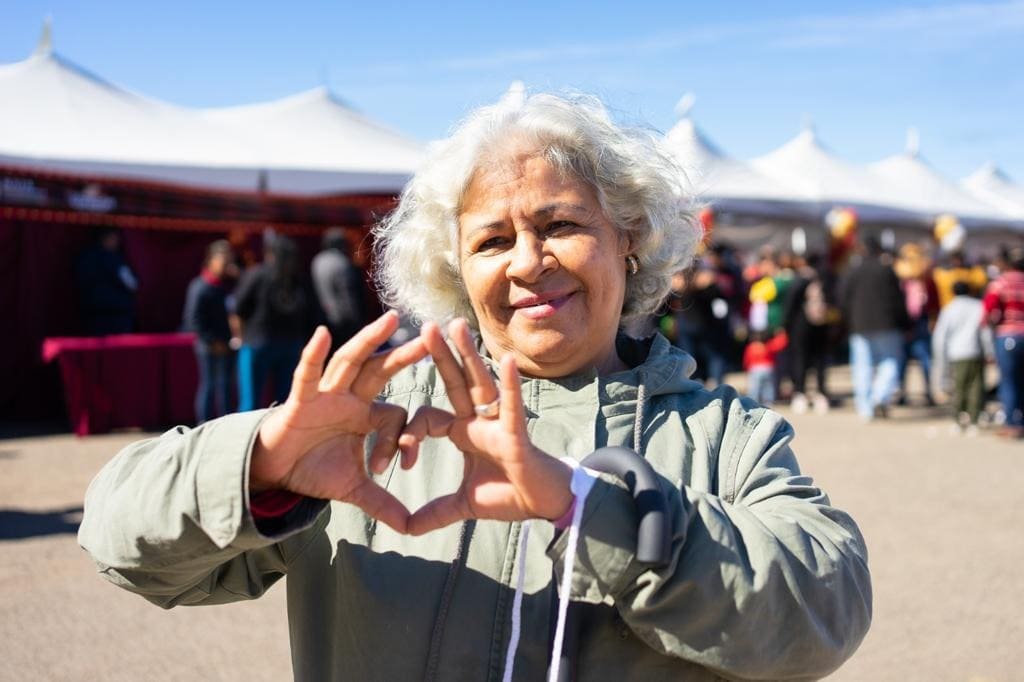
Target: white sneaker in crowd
821 404
798 403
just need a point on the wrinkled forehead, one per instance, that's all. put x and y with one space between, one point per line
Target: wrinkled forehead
503 157
526 185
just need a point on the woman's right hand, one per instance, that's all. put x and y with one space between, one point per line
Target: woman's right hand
313 444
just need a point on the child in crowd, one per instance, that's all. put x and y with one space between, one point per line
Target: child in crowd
759 363
960 343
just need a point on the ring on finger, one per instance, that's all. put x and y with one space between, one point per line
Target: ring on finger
488 410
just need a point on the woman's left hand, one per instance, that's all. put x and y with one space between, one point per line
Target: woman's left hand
505 477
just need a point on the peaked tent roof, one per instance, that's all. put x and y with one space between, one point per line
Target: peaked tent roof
915 185
727 182
991 185
816 174
316 131
56 115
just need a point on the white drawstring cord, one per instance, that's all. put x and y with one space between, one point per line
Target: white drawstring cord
582 482
517 602
580 485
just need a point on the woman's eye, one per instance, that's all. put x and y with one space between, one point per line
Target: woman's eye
558 226
492 243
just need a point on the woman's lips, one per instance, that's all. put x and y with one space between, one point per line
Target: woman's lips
544 308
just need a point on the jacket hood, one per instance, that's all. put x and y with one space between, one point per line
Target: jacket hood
657 364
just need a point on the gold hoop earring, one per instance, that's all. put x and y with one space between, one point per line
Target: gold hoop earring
632 264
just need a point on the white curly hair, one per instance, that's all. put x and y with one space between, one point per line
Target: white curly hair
638 183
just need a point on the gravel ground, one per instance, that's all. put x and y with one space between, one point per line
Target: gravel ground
938 511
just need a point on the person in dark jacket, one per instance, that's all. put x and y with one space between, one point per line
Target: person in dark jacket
702 323
340 288
876 316
106 286
276 312
807 314
206 314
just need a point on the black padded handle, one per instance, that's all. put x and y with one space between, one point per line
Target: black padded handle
653 535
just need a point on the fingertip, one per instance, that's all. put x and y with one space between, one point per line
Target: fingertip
457 326
509 368
314 338
430 332
409 457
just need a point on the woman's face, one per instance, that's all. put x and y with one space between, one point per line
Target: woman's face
543 266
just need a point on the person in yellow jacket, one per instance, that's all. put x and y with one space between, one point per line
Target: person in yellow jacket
956 269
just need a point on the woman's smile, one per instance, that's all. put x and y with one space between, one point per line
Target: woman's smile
542 306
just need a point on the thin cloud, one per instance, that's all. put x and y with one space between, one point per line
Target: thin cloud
950 26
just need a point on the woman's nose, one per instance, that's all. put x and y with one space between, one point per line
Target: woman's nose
529 258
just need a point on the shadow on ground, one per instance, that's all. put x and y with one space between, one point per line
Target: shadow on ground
18 524
32 428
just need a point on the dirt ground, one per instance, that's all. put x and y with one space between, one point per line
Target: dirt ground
939 511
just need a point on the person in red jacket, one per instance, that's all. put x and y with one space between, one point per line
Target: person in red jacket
759 363
1004 309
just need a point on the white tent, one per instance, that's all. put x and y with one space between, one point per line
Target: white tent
991 185
57 116
915 185
726 182
815 174
312 142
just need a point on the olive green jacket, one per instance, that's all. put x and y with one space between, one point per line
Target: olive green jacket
766 579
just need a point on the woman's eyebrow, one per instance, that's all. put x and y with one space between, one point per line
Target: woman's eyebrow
543 212
549 209
492 226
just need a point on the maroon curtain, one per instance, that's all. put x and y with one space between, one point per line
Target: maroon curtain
38 297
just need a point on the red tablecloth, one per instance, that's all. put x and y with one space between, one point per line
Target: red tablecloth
130 380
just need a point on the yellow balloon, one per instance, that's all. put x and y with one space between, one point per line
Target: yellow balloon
944 225
841 222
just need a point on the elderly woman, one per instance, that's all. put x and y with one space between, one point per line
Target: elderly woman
536 234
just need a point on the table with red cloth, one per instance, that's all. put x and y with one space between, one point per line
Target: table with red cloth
145 381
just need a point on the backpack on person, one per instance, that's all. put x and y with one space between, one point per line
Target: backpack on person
815 306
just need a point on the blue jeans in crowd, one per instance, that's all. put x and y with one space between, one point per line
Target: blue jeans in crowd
216 373
1010 358
919 348
274 360
761 384
875 364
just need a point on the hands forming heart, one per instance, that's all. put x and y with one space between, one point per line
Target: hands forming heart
314 444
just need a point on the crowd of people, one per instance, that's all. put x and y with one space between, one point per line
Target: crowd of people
250 326
783 316
779 316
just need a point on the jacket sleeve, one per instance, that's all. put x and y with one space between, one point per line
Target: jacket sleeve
246 292
190 314
168 518
897 300
940 367
766 579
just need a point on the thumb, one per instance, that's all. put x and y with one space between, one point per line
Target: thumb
428 421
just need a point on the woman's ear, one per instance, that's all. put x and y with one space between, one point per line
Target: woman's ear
626 242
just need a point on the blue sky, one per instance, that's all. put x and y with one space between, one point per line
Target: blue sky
862 72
